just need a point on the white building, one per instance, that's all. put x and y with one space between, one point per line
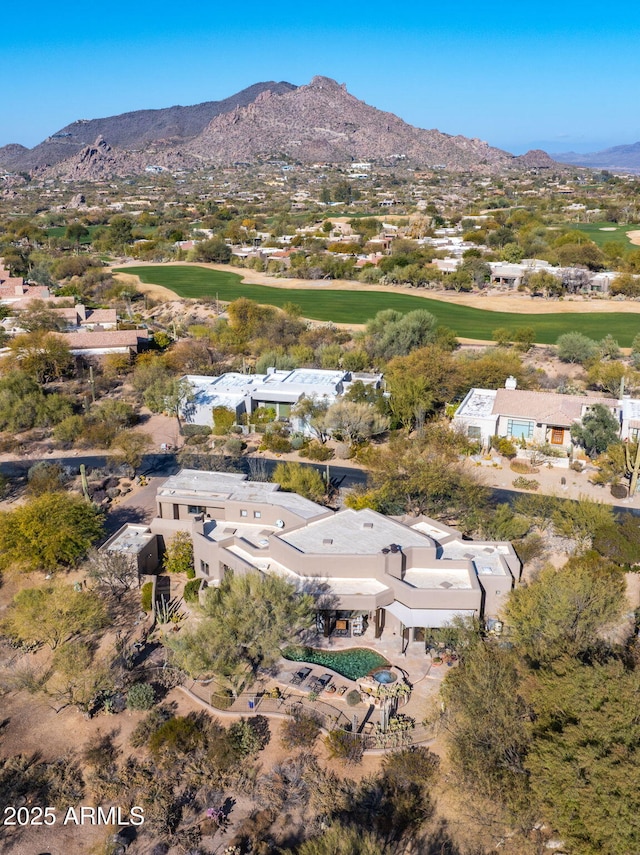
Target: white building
277 389
537 418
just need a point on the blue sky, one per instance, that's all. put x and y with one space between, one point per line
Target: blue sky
518 75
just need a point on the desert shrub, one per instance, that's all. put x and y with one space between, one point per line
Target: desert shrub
505 447
316 451
275 443
191 589
68 430
234 446
223 419
248 736
299 731
522 483
142 731
197 439
522 467
576 466
141 696
146 592
196 430
353 698
343 745
530 548
297 441
177 736
45 477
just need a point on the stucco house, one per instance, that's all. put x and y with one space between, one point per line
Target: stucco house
543 418
277 389
370 574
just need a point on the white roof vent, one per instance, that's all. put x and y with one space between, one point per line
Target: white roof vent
510 382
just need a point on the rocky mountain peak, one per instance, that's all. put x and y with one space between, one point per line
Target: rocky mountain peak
320 82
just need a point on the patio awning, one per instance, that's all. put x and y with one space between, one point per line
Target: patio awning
426 617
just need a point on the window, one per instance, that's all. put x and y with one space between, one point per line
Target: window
204 568
244 513
196 509
257 515
474 432
519 429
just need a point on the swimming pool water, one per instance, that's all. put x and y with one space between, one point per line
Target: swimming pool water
353 663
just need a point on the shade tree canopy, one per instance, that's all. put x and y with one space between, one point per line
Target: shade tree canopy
53 614
565 611
391 333
245 621
598 430
48 532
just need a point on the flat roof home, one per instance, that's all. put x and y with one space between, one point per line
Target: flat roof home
278 389
369 574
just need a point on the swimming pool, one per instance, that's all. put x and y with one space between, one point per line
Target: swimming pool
352 663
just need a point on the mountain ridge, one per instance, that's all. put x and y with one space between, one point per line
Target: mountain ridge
317 122
618 157
132 130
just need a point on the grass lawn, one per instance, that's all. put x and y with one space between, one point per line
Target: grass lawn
357 307
595 233
59 232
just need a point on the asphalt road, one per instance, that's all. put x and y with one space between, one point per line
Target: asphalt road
163 465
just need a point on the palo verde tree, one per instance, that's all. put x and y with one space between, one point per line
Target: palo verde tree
305 480
583 761
53 614
565 611
48 532
484 714
179 555
245 621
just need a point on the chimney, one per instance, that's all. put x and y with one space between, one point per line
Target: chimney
510 382
394 561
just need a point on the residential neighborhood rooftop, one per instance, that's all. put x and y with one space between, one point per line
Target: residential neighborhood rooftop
364 532
235 487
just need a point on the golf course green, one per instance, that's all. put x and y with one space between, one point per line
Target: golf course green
358 306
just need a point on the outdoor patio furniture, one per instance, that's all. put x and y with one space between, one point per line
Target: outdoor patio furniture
322 682
300 676
341 628
357 625
342 690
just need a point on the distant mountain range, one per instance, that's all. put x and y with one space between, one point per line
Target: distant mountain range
320 122
625 158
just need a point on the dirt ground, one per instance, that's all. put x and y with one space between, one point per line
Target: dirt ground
34 727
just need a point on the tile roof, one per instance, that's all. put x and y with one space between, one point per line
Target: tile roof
106 338
546 407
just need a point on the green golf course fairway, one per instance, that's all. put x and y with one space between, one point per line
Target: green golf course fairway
357 307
